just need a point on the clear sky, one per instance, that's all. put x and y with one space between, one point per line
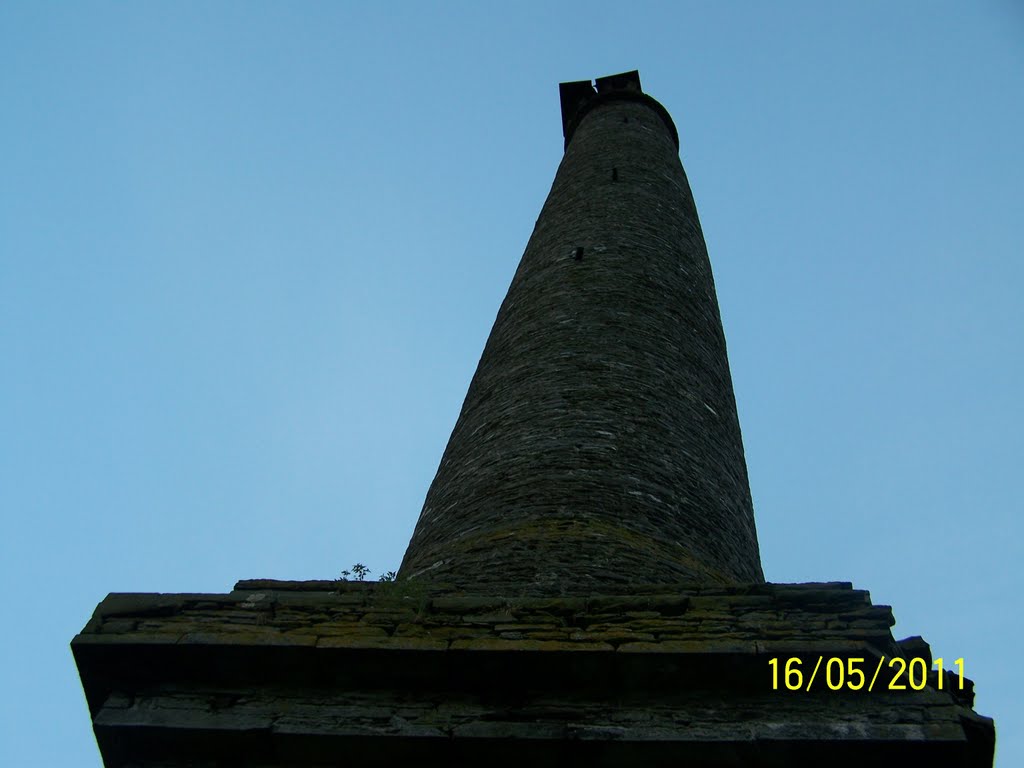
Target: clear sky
250 253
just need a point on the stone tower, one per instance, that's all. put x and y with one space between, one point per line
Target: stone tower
583 586
599 442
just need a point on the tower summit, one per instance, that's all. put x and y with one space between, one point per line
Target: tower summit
598 443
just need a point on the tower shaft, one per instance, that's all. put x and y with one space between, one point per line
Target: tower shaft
599 443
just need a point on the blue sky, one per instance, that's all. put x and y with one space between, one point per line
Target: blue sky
250 254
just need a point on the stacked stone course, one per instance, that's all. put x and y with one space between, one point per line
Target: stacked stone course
293 673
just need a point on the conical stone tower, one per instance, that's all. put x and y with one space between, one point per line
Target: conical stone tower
583 586
599 443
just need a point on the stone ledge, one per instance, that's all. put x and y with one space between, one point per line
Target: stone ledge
360 614
384 672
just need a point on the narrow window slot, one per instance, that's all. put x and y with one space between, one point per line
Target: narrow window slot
579 253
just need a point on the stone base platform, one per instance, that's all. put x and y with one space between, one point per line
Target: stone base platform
378 674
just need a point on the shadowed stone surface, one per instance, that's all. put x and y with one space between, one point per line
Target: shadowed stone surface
599 439
322 673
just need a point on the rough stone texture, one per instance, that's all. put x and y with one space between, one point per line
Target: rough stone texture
322 673
599 441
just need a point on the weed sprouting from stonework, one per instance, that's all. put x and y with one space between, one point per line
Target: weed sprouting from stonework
359 571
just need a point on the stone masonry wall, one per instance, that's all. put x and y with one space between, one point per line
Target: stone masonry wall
300 673
753 618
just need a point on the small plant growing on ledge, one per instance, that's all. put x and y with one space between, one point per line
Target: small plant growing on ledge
407 594
359 571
